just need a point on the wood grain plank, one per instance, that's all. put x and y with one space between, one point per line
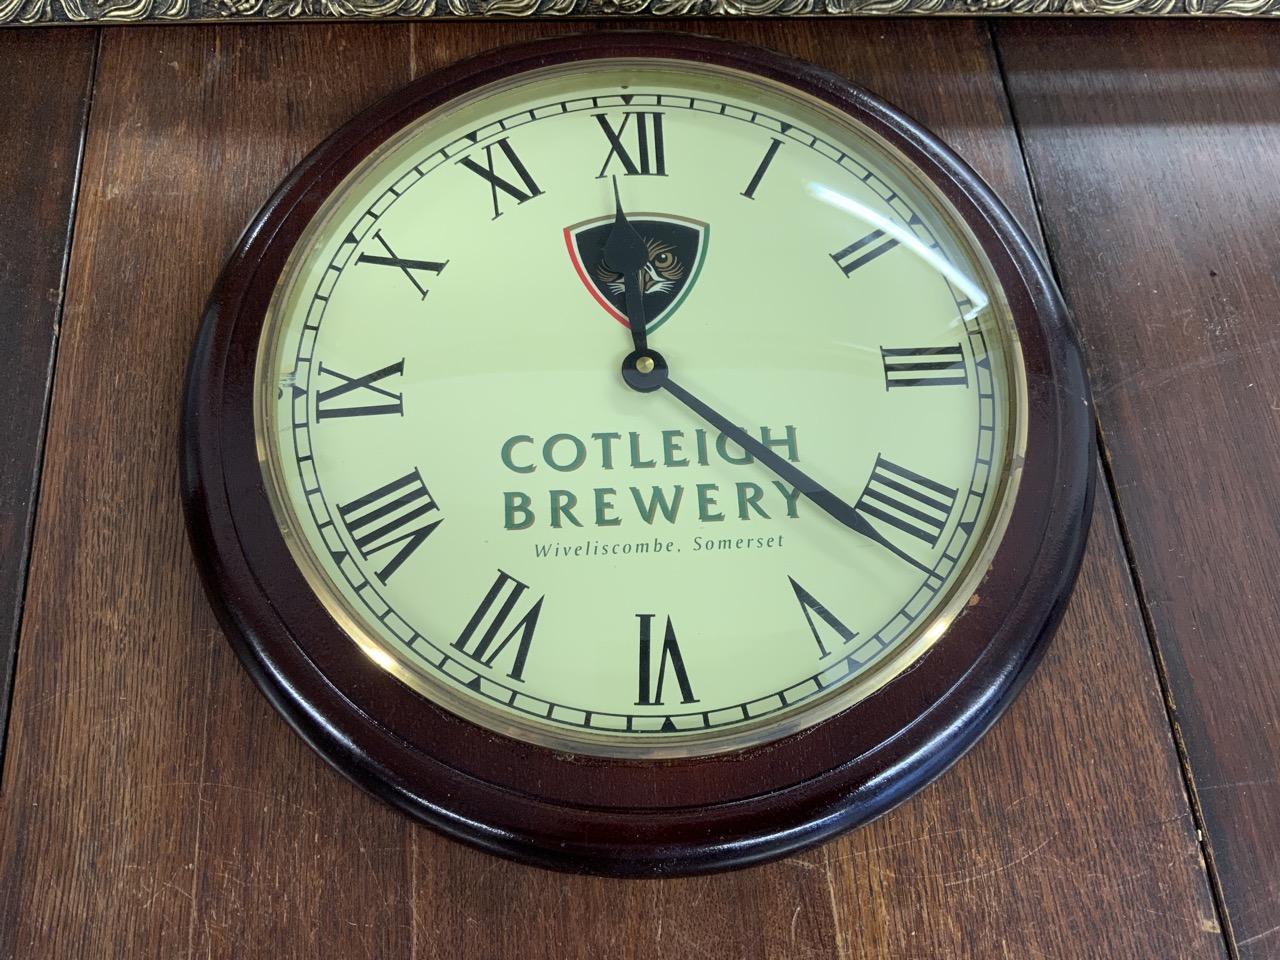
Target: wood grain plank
1066 832
159 808
1162 143
39 154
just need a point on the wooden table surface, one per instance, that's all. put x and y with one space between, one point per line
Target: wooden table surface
1128 805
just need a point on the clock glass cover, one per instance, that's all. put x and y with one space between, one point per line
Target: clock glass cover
781 503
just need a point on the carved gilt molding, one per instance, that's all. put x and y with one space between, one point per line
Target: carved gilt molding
38 12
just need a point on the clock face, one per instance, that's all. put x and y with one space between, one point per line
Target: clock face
787 499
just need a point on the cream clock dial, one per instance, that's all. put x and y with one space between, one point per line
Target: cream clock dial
637 453
497 517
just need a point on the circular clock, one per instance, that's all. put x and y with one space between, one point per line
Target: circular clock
637 453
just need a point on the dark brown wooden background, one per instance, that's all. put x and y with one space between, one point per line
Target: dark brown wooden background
152 804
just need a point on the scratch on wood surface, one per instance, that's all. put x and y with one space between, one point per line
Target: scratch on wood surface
61 696
1004 949
794 917
413 894
801 862
202 785
1162 917
1151 379
1265 782
1173 819
1258 936
841 949
928 835
1013 863
199 814
657 904
156 891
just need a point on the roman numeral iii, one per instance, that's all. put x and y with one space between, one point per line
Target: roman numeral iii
651 681
636 144
486 648
907 501
395 519
368 398
409 267
512 166
924 367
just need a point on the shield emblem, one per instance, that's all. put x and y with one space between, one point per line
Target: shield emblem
677 248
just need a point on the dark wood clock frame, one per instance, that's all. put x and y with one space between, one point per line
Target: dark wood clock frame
612 816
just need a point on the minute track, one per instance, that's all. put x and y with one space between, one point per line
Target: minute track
797 138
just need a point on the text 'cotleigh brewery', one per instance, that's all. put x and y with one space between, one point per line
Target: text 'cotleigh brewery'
650 503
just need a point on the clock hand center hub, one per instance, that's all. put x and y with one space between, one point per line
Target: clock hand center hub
644 370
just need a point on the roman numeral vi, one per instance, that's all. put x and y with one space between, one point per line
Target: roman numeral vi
669 655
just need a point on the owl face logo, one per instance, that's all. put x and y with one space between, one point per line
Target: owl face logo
677 247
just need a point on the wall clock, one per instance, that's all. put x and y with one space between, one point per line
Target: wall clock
637 453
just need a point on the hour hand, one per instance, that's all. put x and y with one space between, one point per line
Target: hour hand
625 252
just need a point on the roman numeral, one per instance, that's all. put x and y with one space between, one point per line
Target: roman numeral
924 366
405 265
750 192
651 688
861 252
811 606
393 517
645 140
327 407
907 501
497 182
488 647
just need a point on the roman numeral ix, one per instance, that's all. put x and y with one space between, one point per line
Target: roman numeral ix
395 517
369 400
527 189
488 647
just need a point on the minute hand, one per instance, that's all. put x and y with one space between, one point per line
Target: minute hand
805 484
